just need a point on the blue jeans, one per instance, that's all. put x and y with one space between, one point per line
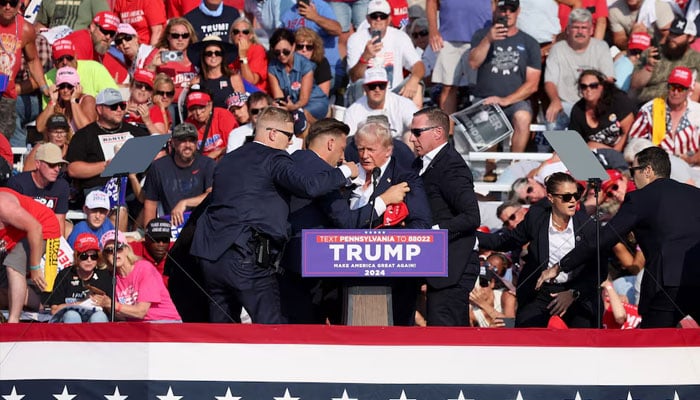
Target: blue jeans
354 12
74 317
27 108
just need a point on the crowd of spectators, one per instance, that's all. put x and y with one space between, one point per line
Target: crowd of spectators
80 79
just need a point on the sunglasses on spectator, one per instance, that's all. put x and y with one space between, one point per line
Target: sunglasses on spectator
286 52
378 15
634 52
106 32
65 86
91 255
422 33
289 135
613 189
12 3
53 165
592 86
255 111
121 39
566 197
143 86
676 88
419 131
238 32
114 107
375 85
61 59
302 46
164 93
511 218
185 35
110 249
213 53
510 9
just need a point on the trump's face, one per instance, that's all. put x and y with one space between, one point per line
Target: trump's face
373 153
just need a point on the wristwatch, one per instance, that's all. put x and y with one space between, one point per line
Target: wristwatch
244 60
575 293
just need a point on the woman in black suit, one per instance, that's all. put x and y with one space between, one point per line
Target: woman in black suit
552 227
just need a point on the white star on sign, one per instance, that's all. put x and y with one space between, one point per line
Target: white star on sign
403 396
169 395
287 396
13 395
519 396
460 397
116 395
345 396
227 396
675 396
65 395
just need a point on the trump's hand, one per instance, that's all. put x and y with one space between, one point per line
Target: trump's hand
395 194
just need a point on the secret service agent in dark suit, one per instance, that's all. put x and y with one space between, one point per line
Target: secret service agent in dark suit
665 219
576 297
241 235
303 299
375 147
449 186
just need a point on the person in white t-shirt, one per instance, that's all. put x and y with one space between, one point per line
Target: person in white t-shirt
378 100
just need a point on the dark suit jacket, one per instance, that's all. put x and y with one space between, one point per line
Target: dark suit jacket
665 219
449 186
251 191
534 229
419 216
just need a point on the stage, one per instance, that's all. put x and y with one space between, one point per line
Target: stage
138 361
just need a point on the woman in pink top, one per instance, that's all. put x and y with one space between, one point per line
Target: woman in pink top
140 292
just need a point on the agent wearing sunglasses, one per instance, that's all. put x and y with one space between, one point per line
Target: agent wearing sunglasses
252 57
604 114
140 293
73 284
67 98
552 229
379 100
86 157
392 49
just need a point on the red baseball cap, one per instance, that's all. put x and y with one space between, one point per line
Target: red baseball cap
682 76
86 242
107 20
394 214
639 41
145 76
198 99
62 47
614 175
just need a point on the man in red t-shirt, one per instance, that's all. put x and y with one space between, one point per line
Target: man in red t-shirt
25 224
156 245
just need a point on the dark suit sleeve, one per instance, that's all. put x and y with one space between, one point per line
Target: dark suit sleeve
507 240
459 194
300 184
419 214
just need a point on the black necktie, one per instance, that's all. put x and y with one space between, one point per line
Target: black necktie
418 164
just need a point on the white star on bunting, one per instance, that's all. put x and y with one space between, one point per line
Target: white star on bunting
13 395
403 396
116 395
287 396
344 397
227 396
460 397
675 396
519 396
169 395
65 395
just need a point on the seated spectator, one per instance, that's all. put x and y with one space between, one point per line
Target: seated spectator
137 55
146 17
626 63
71 300
213 124
511 212
291 79
252 57
58 132
679 132
490 301
624 20
212 17
155 245
604 114
213 56
44 184
140 291
96 222
139 109
599 9
92 75
528 190
378 100
163 96
236 105
619 313
255 104
418 30
68 99
309 44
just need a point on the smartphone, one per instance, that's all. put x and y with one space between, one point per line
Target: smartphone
307 2
171 56
377 35
510 322
503 20
655 44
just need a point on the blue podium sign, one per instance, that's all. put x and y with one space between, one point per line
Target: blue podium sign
374 253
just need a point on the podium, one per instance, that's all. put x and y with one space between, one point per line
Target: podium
367 306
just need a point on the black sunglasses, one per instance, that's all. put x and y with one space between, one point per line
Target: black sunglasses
180 35
676 88
566 197
422 33
53 165
164 93
289 135
105 31
59 60
114 107
255 111
110 249
65 86
91 255
419 131
583 86
301 46
286 52
637 168
213 53
375 85
144 86
12 3
123 38
612 190
634 52
378 15
238 31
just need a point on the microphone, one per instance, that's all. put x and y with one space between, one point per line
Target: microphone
376 173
